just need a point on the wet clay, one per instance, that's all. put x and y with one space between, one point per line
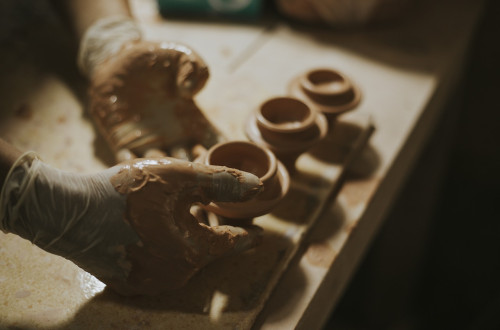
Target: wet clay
288 127
327 91
174 245
249 157
142 98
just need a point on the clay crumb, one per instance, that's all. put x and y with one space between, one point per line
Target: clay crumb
62 119
23 294
24 111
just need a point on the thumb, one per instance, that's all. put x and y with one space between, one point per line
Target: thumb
229 240
224 184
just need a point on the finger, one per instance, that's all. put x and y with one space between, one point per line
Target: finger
213 219
154 153
192 74
229 240
123 155
199 214
180 152
224 184
197 151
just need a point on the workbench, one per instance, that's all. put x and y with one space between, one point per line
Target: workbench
406 70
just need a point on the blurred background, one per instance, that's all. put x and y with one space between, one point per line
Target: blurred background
436 262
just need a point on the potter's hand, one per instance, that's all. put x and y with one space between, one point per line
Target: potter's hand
129 225
142 93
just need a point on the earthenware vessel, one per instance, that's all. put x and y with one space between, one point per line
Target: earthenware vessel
288 127
249 157
326 90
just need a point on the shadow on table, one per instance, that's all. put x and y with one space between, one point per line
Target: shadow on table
299 204
34 43
403 42
231 285
339 143
287 296
307 189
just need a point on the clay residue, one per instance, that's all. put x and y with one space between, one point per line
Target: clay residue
356 192
320 255
247 187
174 244
24 111
142 98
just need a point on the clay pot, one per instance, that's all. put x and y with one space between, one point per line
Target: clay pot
326 90
288 127
249 157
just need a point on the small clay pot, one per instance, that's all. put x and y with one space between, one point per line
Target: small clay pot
288 127
249 157
326 90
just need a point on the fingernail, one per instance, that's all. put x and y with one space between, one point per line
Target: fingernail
232 186
250 185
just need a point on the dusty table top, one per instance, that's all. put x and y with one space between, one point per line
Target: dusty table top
405 75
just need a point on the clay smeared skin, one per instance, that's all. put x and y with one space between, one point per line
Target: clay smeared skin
174 245
142 98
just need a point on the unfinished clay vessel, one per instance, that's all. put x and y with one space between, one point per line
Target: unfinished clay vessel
326 90
288 127
249 157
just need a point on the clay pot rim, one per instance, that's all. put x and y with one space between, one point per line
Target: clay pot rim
235 210
305 82
283 128
241 210
273 162
254 134
297 91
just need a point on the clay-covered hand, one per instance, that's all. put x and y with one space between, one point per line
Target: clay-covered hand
142 100
130 225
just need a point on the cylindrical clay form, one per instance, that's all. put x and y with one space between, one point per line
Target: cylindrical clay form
327 91
249 157
288 127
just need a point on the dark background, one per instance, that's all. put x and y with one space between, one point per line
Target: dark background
436 262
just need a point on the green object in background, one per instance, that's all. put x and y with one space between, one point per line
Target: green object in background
238 8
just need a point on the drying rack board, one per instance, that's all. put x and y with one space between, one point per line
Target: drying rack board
405 74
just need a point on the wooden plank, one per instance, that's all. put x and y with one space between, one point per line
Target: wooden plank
317 278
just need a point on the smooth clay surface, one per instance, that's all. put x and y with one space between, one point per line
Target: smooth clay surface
326 90
288 127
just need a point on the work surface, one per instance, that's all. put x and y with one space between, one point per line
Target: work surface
405 74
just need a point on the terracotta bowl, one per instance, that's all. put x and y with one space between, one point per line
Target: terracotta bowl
249 157
326 90
287 126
